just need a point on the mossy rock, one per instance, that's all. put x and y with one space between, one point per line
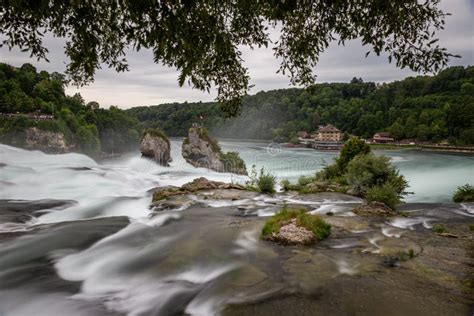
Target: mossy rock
373 209
156 132
295 227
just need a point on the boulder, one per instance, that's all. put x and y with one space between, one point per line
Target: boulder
373 209
202 151
46 141
198 184
292 234
156 146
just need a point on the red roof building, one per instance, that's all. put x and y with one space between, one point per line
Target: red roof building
382 138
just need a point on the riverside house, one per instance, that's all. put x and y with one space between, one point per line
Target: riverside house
382 138
329 133
326 137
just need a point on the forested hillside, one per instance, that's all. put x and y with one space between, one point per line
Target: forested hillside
87 127
428 108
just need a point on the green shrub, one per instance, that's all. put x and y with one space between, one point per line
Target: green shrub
286 185
384 193
464 193
439 228
353 147
232 162
471 227
204 134
263 182
367 171
313 223
329 172
305 180
266 182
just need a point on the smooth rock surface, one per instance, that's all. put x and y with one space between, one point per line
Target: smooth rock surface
156 148
46 141
199 152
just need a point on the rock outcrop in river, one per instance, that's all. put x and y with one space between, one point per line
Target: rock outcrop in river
200 150
156 146
46 141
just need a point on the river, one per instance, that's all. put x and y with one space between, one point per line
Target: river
77 237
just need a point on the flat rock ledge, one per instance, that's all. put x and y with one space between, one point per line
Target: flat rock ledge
198 184
292 234
373 209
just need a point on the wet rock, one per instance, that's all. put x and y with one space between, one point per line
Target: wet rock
391 262
156 146
21 211
170 205
46 141
198 184
348 223
200 150
202 183
448 235
247 276
373 209
291 234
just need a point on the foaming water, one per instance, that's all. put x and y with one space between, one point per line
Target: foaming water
103 246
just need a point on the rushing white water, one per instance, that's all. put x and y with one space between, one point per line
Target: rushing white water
432 176
148 265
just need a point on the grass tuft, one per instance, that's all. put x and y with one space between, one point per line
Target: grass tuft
439 228
313 223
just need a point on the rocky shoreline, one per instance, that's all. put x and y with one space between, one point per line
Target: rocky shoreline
370 264
399 249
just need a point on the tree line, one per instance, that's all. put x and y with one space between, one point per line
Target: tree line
87 127
426 108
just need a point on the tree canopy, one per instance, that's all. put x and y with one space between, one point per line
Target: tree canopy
203 39
87 127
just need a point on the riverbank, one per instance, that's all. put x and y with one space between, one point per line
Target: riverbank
436 148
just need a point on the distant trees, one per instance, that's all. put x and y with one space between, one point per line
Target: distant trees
428 108
87 126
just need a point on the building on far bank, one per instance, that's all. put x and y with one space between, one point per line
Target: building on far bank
382 138
324 138
329 133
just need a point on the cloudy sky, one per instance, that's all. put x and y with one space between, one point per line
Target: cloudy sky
147 83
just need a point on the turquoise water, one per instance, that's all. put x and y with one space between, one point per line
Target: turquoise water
432 176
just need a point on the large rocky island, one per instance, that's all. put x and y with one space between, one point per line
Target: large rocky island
156 145
200 150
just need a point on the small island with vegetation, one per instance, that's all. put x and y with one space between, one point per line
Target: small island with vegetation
201 150
359 172
295 227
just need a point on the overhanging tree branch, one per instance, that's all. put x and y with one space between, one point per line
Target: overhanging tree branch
201 38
